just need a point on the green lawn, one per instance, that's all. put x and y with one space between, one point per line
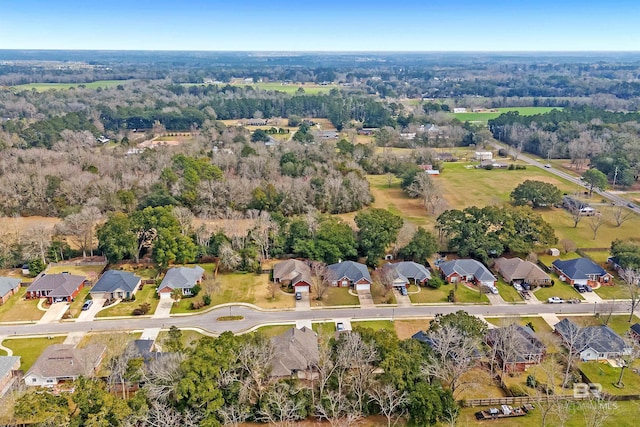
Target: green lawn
539 324
147 294
272 331
508 292
463 295
337 296
612 292
250 288
607 375
619 323
29 349
375 325
114 341
326 329
40 87
76 306
560 289
184 305
19 309
547 259
189 337
485 117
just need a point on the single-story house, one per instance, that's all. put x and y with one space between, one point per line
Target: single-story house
429 170
116 284
592 342
293 272
367 131
634 331
526 349
407 272
8 367
349 273
295 353
183 278
493 164
581 271
467 270
575 205
56 287
517 271
483 155
62 362
8 286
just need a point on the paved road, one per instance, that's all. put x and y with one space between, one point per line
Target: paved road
605 194
252 317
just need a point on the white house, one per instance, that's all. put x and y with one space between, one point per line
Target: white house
483 155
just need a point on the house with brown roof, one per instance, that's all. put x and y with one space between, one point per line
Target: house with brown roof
293 272
62 363
295 353
517 271
62 287
8 286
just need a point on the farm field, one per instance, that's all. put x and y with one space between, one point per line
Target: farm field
291 88
40 87
484 117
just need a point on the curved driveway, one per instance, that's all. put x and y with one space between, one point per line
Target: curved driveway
252 317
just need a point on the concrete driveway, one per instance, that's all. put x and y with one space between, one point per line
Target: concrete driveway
402 300
54 313
366 299
164 307
495 299
89 315
303 304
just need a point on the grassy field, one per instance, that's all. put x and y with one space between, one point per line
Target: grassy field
249 288
607 375
17 308
485 117
463 295
292 88
125 308
41 87
29 349
397 201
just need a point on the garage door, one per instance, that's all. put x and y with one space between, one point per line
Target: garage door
302 288
363 287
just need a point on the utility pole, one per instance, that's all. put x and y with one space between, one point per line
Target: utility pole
615 175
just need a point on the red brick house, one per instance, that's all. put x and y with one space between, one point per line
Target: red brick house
8 286
349 274
56 287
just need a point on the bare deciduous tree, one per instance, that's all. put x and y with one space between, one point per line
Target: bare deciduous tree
568 245
576 215
596 411
36 242
228 258
631 281
280 407
254 362
595 222
390 401
336 409
234 414
162 375
185 219
319 282
428 190
451 357
621 215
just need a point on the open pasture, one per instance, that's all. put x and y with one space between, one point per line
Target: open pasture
493 113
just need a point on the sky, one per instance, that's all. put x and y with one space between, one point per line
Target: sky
329 25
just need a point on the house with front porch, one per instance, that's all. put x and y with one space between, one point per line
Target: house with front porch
349 274
62 287
467 270
293 272
592 343
183 278
64 363
582 271
116 284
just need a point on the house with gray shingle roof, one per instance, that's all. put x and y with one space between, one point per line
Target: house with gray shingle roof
349 274
407 272
525 350
295 352
56 287
8 286
515 270
116 284
62 362
592 342
581 271
467 270
183 278
293 272
8 366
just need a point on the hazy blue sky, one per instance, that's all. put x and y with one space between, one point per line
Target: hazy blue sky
330 25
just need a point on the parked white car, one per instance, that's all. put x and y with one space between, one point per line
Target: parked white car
555 300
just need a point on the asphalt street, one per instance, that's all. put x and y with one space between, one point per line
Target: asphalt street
252 317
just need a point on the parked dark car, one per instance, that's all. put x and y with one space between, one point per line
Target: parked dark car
580 288
298 296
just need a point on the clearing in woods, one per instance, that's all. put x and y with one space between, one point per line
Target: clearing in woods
41 87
